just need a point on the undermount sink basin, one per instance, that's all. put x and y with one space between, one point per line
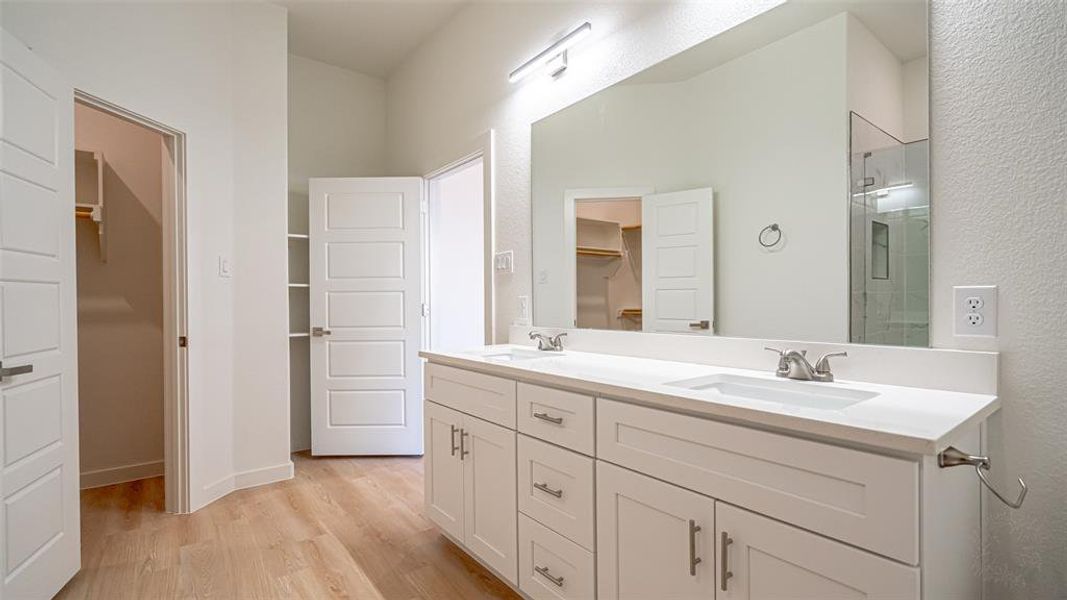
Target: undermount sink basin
804 394
515 354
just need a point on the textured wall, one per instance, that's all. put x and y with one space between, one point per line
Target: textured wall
999 216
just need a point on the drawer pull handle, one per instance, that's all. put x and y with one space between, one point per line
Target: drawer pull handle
694 560
543 572
548 417
544 488
724 559
454 446
463 435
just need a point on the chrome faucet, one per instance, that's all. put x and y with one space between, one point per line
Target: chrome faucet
793 364
548 343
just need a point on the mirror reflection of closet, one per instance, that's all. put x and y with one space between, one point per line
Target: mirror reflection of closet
608 264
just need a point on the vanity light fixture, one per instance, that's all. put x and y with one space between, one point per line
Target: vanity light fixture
554 57
883 192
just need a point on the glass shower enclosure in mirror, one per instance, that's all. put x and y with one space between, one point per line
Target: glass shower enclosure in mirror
770 182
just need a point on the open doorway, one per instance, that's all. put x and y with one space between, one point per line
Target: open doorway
130 239
456 249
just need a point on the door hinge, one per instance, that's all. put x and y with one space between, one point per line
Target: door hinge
425 309
183 341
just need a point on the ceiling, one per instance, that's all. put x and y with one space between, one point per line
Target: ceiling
371 37
899 24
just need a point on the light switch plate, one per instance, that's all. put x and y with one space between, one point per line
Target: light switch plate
504 262
524 310
975 310
224 267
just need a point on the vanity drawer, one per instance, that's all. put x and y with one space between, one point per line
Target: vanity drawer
484 396
556 488
551 566
560 417
865 499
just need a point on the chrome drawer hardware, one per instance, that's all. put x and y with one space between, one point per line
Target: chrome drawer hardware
952 457
544 488
694 560
454 446
724 559
544 572
19 370
548 417
463 435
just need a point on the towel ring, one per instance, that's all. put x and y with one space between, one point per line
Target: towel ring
770 231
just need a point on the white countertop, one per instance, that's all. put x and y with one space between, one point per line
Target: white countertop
900 419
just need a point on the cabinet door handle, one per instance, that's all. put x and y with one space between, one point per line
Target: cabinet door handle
544 488
463 435
724 559
543 572
11 371
694 560
548 417
454 446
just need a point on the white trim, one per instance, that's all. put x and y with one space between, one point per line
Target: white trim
248 479
570 198
175 305
121 474
482 147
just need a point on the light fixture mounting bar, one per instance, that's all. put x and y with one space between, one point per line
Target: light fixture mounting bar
552 52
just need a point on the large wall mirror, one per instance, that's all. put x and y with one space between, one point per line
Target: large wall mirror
770 182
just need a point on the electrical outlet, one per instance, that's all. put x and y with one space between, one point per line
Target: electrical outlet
224 268
524 310
975 310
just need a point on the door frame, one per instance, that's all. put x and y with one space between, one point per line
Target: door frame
571 198
175 303
480 147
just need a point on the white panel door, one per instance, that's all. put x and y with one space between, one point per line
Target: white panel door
40 535
491 519
654 540
677 262
768 560
443 467
366 315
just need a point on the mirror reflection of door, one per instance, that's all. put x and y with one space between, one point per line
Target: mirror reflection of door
608 267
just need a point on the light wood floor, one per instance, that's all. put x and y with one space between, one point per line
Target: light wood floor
342 528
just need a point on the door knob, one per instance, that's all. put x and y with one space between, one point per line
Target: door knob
9 371
700 325
319 332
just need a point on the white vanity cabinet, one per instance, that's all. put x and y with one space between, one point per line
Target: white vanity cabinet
567 495
470 481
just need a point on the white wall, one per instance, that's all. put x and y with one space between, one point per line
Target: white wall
457 275
120 305
452 90
916 74
768 132
998 144
336 122
217 73
875 80
336 129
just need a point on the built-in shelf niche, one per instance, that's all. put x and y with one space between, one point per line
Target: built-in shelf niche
299 323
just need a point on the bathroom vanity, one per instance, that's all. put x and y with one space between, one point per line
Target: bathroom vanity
580 475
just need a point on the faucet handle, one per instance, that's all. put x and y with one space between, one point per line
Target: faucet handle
823 366
769 349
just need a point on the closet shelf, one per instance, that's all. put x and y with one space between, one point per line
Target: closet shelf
299 334
631 313
601 252
298 236
299 285
631 227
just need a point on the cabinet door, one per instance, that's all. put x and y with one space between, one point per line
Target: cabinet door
768 560
654 540
491 516
443 475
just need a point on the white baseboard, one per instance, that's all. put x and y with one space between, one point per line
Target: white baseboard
121 474
244 480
